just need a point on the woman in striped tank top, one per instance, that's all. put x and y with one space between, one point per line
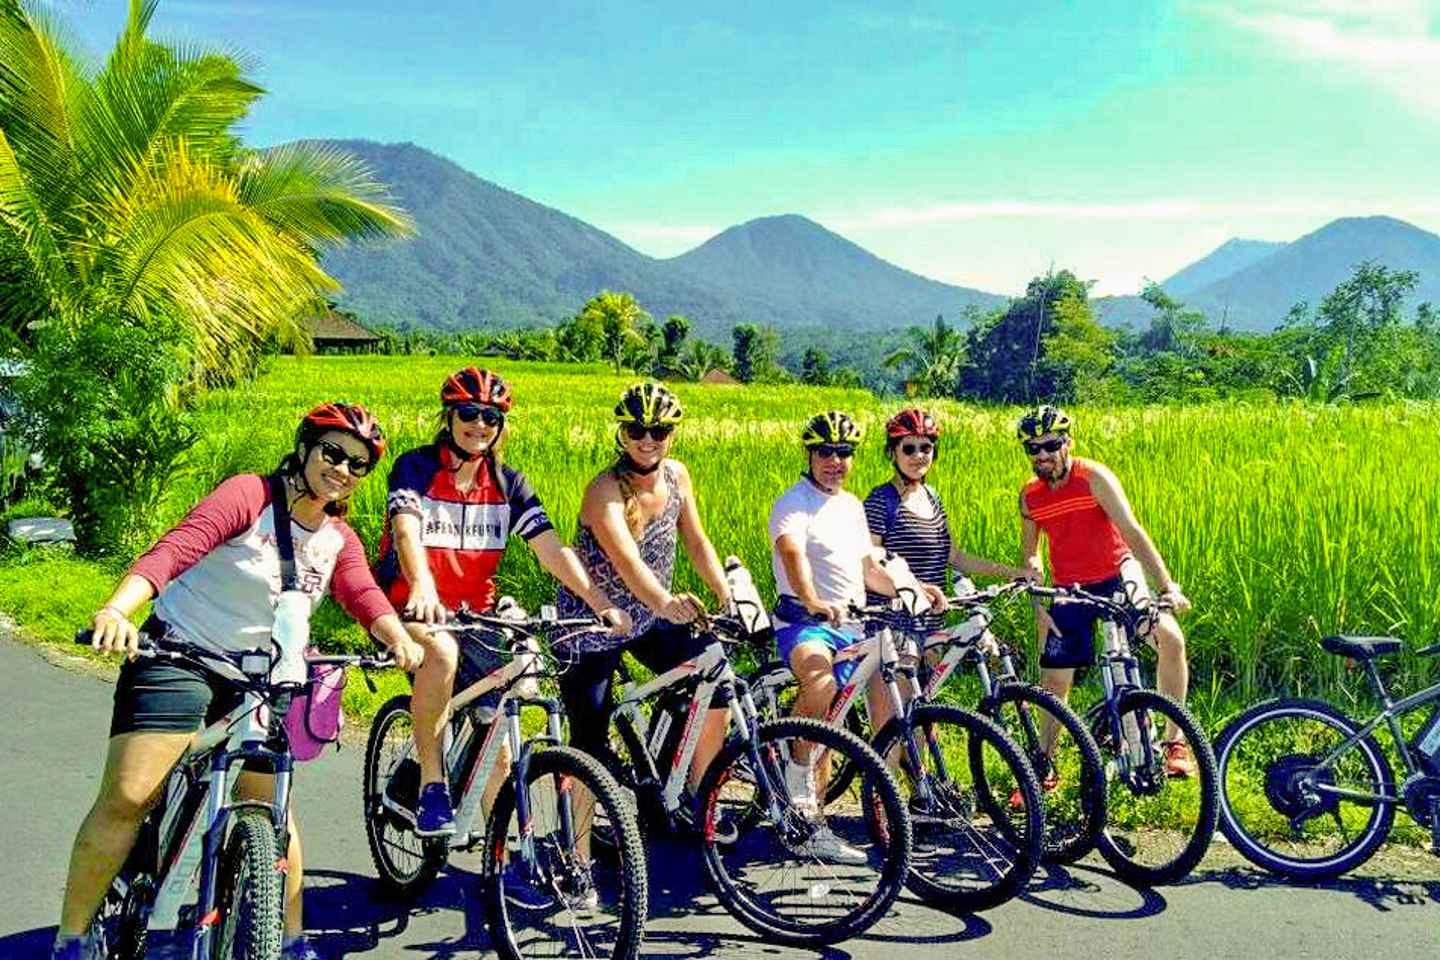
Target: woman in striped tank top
907 518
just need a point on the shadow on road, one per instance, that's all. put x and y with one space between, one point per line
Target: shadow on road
1382 893
1079 890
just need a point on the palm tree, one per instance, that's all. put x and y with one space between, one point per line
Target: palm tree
125 195
932 359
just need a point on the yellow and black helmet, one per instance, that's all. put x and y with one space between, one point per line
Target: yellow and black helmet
650 404
832 427
1042 420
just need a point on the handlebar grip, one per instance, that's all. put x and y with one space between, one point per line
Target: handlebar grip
86 637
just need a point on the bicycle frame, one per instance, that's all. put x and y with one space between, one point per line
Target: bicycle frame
193 844
1390 717
717 679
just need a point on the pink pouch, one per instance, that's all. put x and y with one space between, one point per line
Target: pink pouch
315 719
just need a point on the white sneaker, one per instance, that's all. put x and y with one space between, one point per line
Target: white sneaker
824 846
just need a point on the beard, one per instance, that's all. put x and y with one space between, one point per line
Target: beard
1053 470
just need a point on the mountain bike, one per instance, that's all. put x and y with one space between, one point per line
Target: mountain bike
1307 792
236 848
969 856
587 906
784 860
1158 826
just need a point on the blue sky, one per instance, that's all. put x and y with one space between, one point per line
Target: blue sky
977 143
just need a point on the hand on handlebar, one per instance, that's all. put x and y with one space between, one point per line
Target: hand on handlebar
115 634
1175 598
617 620
423 604
408 654
831 613
935 595
682 608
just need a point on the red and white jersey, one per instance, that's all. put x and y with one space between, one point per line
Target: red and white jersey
1085 545
464 533
217 573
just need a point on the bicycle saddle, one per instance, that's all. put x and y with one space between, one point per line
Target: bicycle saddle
1362 648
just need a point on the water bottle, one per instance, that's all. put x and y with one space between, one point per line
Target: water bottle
291 633
744 597
912 598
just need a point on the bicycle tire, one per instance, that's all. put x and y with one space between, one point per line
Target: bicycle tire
405 863
249 891
883 819
1248 834
1075 809
955 869
1117 843
625 859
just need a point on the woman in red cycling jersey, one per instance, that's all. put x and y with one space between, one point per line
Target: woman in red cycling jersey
453 507
216 577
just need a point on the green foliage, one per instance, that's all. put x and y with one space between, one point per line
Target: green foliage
1078 354
932 359
101 407
757 354
1004 351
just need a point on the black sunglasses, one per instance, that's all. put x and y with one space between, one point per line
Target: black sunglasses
910 449
334 454
470 412
637 431
843 451
1033 447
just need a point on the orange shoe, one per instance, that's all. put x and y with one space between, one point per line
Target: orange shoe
1048 785
1178 760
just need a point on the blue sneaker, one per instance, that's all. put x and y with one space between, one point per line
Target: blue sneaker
299 949
168 945
77 948
519 889
434 816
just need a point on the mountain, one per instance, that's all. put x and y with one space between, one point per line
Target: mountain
1258 296
485 256
1230 257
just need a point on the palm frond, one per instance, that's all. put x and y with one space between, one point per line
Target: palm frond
320 194
27 235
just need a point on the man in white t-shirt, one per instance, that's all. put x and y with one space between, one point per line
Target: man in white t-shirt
823 560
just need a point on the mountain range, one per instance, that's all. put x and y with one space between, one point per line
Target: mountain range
486 257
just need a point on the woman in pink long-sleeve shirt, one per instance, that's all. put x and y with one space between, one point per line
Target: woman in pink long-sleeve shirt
216 577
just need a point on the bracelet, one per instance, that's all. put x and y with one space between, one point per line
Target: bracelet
114 610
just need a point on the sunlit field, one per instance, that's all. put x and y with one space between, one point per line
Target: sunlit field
1283 523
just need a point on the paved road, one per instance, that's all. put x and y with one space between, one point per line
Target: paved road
53 724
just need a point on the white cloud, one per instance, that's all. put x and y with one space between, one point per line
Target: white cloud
662 239
1389 43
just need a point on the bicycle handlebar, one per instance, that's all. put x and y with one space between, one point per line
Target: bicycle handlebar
163 648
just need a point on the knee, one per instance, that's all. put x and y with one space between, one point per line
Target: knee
441 655
1170 639
126 799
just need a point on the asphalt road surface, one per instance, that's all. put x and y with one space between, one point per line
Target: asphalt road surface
53 722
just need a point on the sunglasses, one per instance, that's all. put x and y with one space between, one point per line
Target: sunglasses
1034 447
470 412
843 451
334 454
659 432
911 449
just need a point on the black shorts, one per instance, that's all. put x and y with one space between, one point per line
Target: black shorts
587 685
1075 646
164 696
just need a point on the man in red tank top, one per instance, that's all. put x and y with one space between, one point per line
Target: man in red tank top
1095 542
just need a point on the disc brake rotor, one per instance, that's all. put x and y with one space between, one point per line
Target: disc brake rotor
1290 783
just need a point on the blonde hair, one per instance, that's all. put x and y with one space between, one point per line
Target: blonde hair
631 500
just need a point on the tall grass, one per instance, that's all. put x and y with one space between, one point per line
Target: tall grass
1283 523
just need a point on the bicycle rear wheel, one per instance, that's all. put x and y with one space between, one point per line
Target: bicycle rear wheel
967 857
1158 825
1281 805
1066 762
571 904
808 872
249 891
406 863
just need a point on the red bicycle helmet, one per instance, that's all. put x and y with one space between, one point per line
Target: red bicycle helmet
474 385
912 422
348 418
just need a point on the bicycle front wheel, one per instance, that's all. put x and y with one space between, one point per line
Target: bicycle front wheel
249 892
546 895
405 861
967 857
808 871
1066 761
1161 815
1289 810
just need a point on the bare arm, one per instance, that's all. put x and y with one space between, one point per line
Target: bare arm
565 566
423 604
701 551
1105 487
971 563
114 629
